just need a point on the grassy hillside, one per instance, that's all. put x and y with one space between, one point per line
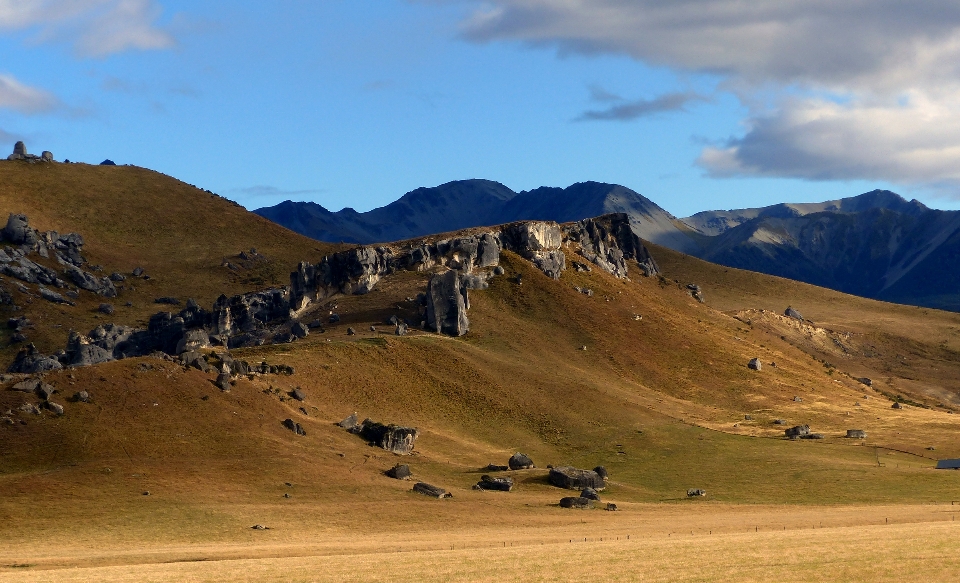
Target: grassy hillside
664 401
132 217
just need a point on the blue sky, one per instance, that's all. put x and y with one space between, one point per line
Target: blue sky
354 102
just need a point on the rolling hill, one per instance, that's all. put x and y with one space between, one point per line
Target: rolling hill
585 368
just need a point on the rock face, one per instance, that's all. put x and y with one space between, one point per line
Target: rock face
432 491
520 461
573 479
576 502
389 437
499 484
447 304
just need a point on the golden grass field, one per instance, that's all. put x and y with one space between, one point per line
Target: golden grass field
666 403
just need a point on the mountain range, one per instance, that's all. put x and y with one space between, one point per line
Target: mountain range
877 245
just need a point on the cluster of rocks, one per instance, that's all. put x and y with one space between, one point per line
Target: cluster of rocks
695 292
272 315
23 240
44 391
394 438
20 153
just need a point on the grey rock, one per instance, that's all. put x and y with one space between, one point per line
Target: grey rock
223 381
351 332
294 426
107 309
137 272
856 434
498 270
520 461
20 149
791 313
590 494
29 408
499 484
389 437
18 230
430 490
400 472
573 479
299 330
54 297
334 318
29 360
754 364
797 431
692 492
55 408
812 436
447 304
117 277
47 156
298 394
602 472
82 397
108 162
17 338
83 280
576 502
27 386
45 391
611 507
496 468
896 406
349 422
866 381
88 355
401 329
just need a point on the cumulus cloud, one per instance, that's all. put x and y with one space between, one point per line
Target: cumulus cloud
627 111
95 28
860 89
23 98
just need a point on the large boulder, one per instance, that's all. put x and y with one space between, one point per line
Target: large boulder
797 431
447 304
29 360
389 437
400 472
20 149
576 502
349 422
573 479
520 461
856 434
430 490
18 230
499 484
590 494
791 313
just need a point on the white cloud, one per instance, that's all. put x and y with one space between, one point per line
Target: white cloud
19 97
854 89
95 28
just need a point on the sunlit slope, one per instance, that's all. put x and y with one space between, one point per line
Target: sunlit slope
132 217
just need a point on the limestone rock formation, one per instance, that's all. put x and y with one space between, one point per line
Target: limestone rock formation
520 461
447 304
389 437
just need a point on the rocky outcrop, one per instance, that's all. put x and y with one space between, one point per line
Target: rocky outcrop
20 153
29 360
791 313
573 479
447 304
797 431
389 437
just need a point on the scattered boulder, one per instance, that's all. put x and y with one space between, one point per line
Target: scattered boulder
432 491
349 422
797 399
611 507
576 502
193 341
137 272
54 297
107 309
46 156
81 397
351 332
797 431
866 381
754 364
520 461
91 283
298 394
500 484
223 381
447 304
401 329
334 318
573 479
400 472
18 230
693 492
55 408
117 277
791 313
108 162
590 494
299 330
294 426
29 408
27 386
896 406
44 391
856 434
496 468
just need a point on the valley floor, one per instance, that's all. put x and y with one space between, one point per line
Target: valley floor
688 541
